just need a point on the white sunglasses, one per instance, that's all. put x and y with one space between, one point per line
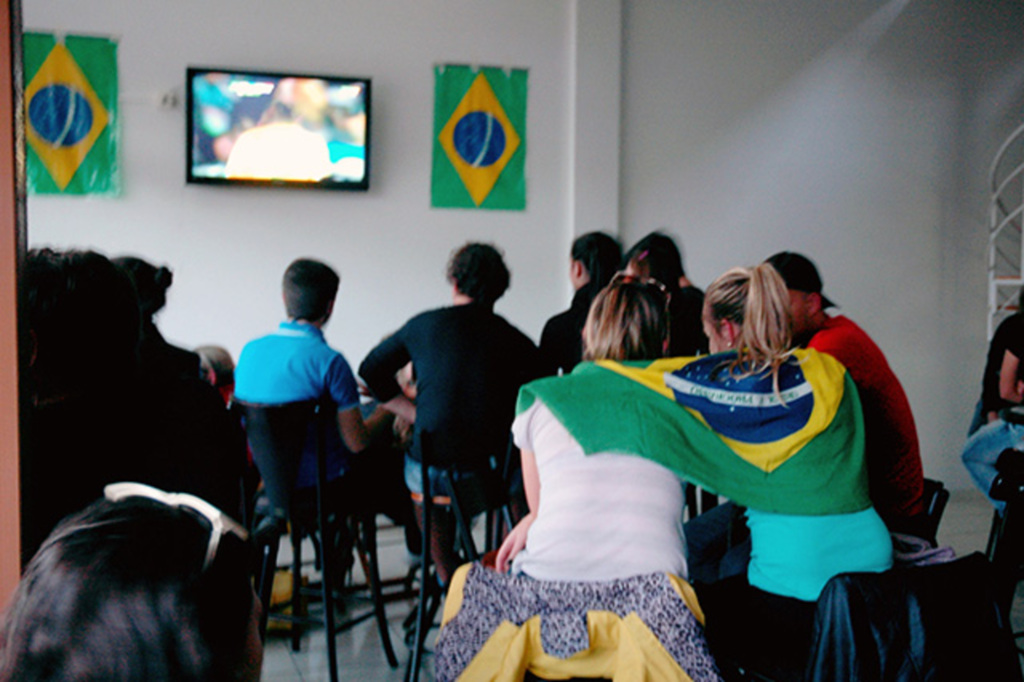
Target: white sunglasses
220 523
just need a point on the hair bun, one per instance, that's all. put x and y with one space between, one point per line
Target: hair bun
163 278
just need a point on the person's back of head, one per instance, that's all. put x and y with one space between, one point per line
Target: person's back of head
800 274
310 288
656 256
217 365
83 314
600 255
151 283
628 320
479 272
124 591
755 302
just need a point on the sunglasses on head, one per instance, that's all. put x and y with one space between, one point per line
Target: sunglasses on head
220 523
650 282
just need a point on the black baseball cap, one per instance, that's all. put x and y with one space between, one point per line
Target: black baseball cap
800 274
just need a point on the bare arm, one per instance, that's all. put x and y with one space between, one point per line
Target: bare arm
516 539
1009 384
403 407
357 433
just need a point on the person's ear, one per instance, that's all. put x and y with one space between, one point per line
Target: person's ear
813 304
730 331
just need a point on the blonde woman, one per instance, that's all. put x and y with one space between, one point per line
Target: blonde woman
784 403
598 516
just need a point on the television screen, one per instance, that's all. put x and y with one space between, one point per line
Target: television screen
260 128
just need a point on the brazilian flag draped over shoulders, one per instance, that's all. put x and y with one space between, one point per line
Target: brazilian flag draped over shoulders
795 450
479 138
71 114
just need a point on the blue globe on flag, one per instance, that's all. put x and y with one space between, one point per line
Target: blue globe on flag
60 115
479 139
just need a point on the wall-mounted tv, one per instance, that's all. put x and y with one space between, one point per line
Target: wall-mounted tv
278 129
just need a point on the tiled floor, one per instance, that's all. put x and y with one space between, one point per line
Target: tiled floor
965 527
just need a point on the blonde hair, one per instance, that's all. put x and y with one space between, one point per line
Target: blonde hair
628 320
756 300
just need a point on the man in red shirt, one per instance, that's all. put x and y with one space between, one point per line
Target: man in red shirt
893 454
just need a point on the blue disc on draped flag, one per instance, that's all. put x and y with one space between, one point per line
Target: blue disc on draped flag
479 138
747 409
60 115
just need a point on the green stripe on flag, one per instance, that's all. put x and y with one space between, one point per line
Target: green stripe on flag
72 119
608 412
479 138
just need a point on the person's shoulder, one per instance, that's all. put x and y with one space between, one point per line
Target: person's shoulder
430 317
841 330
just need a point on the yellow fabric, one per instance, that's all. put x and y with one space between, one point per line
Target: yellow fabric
621 649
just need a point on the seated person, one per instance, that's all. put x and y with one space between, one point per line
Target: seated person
585 508
992 389
296 364
469 365
94 416
774 429
138 586
895 472
594 259
809 520
596 562
155 353
218 369
657 256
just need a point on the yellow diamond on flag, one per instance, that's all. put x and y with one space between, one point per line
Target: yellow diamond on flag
479 139
64 115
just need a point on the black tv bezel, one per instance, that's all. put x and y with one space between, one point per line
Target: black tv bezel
334 185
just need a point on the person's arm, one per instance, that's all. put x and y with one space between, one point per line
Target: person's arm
402 407
378 369
1009 384
358 433
516 539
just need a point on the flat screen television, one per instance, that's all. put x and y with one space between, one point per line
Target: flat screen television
277 129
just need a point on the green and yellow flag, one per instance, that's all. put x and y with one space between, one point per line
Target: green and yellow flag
795 450
479 138
71 114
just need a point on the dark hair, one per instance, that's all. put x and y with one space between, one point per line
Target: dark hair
118 592
151 283
84 316
656 256
600 255
309 289
478 271
628 320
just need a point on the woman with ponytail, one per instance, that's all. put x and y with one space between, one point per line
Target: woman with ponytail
764 617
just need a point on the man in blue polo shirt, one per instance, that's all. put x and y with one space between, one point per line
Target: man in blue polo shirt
295 363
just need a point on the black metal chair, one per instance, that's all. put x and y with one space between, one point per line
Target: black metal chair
466 497
935 499
1006 539
278 435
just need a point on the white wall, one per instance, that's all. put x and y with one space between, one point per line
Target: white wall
858 133
228 247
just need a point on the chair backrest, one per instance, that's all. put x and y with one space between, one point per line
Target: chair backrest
277 435
938 622
935 498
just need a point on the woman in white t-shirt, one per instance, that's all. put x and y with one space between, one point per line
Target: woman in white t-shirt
601 516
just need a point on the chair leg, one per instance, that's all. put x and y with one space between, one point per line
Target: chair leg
268 567
327 573
368 521
296 537
412 672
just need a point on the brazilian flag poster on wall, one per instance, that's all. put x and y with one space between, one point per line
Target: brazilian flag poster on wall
479 138
71 114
